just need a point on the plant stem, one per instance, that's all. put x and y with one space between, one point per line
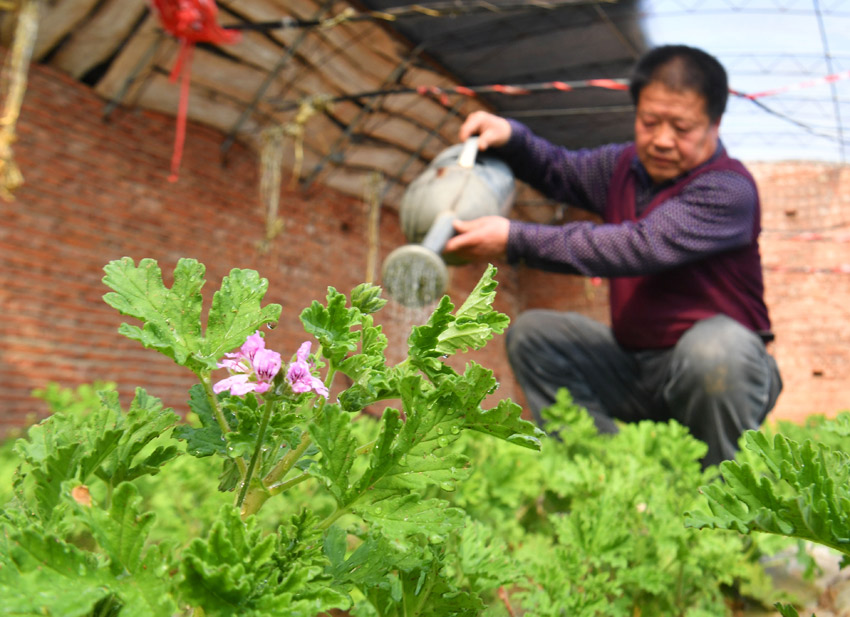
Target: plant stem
204 378
261 435
366 447
276 489
332 518
288 461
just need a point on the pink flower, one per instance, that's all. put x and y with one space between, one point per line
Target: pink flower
251 369
300 376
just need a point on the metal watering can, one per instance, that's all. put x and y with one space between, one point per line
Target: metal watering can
458 184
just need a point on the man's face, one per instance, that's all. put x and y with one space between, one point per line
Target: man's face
673 133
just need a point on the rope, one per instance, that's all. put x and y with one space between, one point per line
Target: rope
442 93
392 14
295 129
272 144
13 84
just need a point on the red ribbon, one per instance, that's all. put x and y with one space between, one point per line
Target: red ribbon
191 22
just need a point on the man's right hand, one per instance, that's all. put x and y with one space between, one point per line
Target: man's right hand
493 131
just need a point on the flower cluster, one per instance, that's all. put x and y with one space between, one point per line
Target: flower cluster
253 368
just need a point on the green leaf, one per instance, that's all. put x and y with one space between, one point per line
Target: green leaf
475 321
235 570
171 316
505 422
123 530
367 298
207 439
404 516
236 313
804 493
471 327
333 326
221 571
145 421
484 559
38 593
331 432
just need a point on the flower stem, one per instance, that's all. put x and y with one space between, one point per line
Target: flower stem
288 461
212 399
261 435
276 489
332 518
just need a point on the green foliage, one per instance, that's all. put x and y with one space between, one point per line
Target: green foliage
799 490
172 317
49 528
93 519
594 522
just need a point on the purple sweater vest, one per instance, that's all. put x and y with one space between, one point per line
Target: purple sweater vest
653 311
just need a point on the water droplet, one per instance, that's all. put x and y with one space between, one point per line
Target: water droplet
271 326
442 442
449 487
455 430
403 461
379 510
440 430
435 538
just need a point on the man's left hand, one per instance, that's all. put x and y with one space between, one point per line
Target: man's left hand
480 239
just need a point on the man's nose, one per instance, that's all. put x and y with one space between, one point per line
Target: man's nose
664 136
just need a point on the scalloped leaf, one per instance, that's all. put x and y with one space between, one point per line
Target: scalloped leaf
172 316
804 495
333 325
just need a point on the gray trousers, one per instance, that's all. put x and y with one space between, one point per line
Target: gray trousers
718 380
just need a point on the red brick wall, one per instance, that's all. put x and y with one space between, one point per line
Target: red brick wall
96 191
806 255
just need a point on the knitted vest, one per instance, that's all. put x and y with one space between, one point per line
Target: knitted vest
653 311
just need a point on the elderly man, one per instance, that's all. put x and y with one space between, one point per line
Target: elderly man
679 243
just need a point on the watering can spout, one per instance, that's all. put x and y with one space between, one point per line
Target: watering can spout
458 184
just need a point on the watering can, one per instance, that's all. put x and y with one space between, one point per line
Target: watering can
459 184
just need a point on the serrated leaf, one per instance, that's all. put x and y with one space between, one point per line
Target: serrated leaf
471 327
402 517
475 321
424 340
235 570
333 326
121 531
503 421
144 422
220 571
39 593
367 298
331 432
236 313
171 316
812 505
207 439
484 559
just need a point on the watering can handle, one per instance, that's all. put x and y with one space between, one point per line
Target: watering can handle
468 153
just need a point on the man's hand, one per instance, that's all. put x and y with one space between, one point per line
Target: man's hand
493 131
480 239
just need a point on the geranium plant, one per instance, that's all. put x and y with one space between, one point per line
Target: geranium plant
76 538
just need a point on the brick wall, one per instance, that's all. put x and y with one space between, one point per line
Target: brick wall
806 255
97 191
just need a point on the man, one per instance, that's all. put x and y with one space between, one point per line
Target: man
679 243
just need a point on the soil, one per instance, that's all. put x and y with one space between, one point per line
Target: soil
826 595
